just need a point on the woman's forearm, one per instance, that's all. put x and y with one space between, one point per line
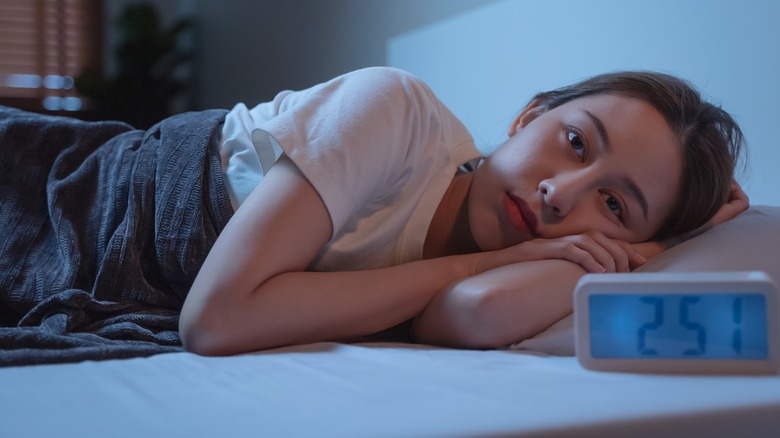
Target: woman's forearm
501 306
302 307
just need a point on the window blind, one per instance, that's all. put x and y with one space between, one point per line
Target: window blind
44 44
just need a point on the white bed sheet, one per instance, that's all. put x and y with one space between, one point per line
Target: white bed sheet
376 390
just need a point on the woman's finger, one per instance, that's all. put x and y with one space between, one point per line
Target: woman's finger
599 258
625 255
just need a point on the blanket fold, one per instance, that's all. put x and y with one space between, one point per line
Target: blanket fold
102 231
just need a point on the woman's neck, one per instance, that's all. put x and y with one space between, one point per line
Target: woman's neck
449 232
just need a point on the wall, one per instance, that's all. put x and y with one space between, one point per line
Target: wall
486 64
247 51
250 50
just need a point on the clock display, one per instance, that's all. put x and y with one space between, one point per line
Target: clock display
678 326
686 322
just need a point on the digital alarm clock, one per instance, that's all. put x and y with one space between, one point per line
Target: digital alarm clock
711 322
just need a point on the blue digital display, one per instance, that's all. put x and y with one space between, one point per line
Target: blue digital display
678 326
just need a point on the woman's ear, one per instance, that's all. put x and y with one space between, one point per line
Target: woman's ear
529 113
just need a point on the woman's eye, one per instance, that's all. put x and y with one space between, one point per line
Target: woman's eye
577 144
614 206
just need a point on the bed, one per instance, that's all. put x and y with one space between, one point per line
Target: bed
376 390
380 389
391 389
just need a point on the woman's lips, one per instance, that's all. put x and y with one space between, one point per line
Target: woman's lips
520 215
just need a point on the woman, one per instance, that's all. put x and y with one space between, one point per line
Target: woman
352 215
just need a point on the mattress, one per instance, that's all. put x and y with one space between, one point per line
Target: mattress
376 390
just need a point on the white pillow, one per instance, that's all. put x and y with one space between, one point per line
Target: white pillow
749 242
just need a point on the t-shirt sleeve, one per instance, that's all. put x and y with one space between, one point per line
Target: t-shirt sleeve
352 137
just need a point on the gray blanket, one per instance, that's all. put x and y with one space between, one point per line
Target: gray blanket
102 231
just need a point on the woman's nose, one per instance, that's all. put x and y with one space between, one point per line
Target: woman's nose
560 193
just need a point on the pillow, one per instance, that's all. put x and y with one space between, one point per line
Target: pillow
749 242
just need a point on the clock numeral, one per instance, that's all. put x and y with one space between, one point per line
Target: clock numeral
701 333
685 322
736 339
658 320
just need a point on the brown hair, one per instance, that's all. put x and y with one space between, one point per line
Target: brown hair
710 139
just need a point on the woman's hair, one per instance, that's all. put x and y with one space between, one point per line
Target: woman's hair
711 140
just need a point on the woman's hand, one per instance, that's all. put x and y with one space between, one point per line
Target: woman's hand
593 251
737 203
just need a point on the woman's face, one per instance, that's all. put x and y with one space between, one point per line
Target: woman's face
607 163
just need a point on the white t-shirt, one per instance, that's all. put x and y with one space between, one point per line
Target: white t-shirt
377 145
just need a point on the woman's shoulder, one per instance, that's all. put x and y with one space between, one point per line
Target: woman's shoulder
389 84
383 73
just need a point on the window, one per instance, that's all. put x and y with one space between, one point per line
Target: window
44 45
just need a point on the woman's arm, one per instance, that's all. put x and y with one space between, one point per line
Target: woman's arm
501 306
253 291
516 301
